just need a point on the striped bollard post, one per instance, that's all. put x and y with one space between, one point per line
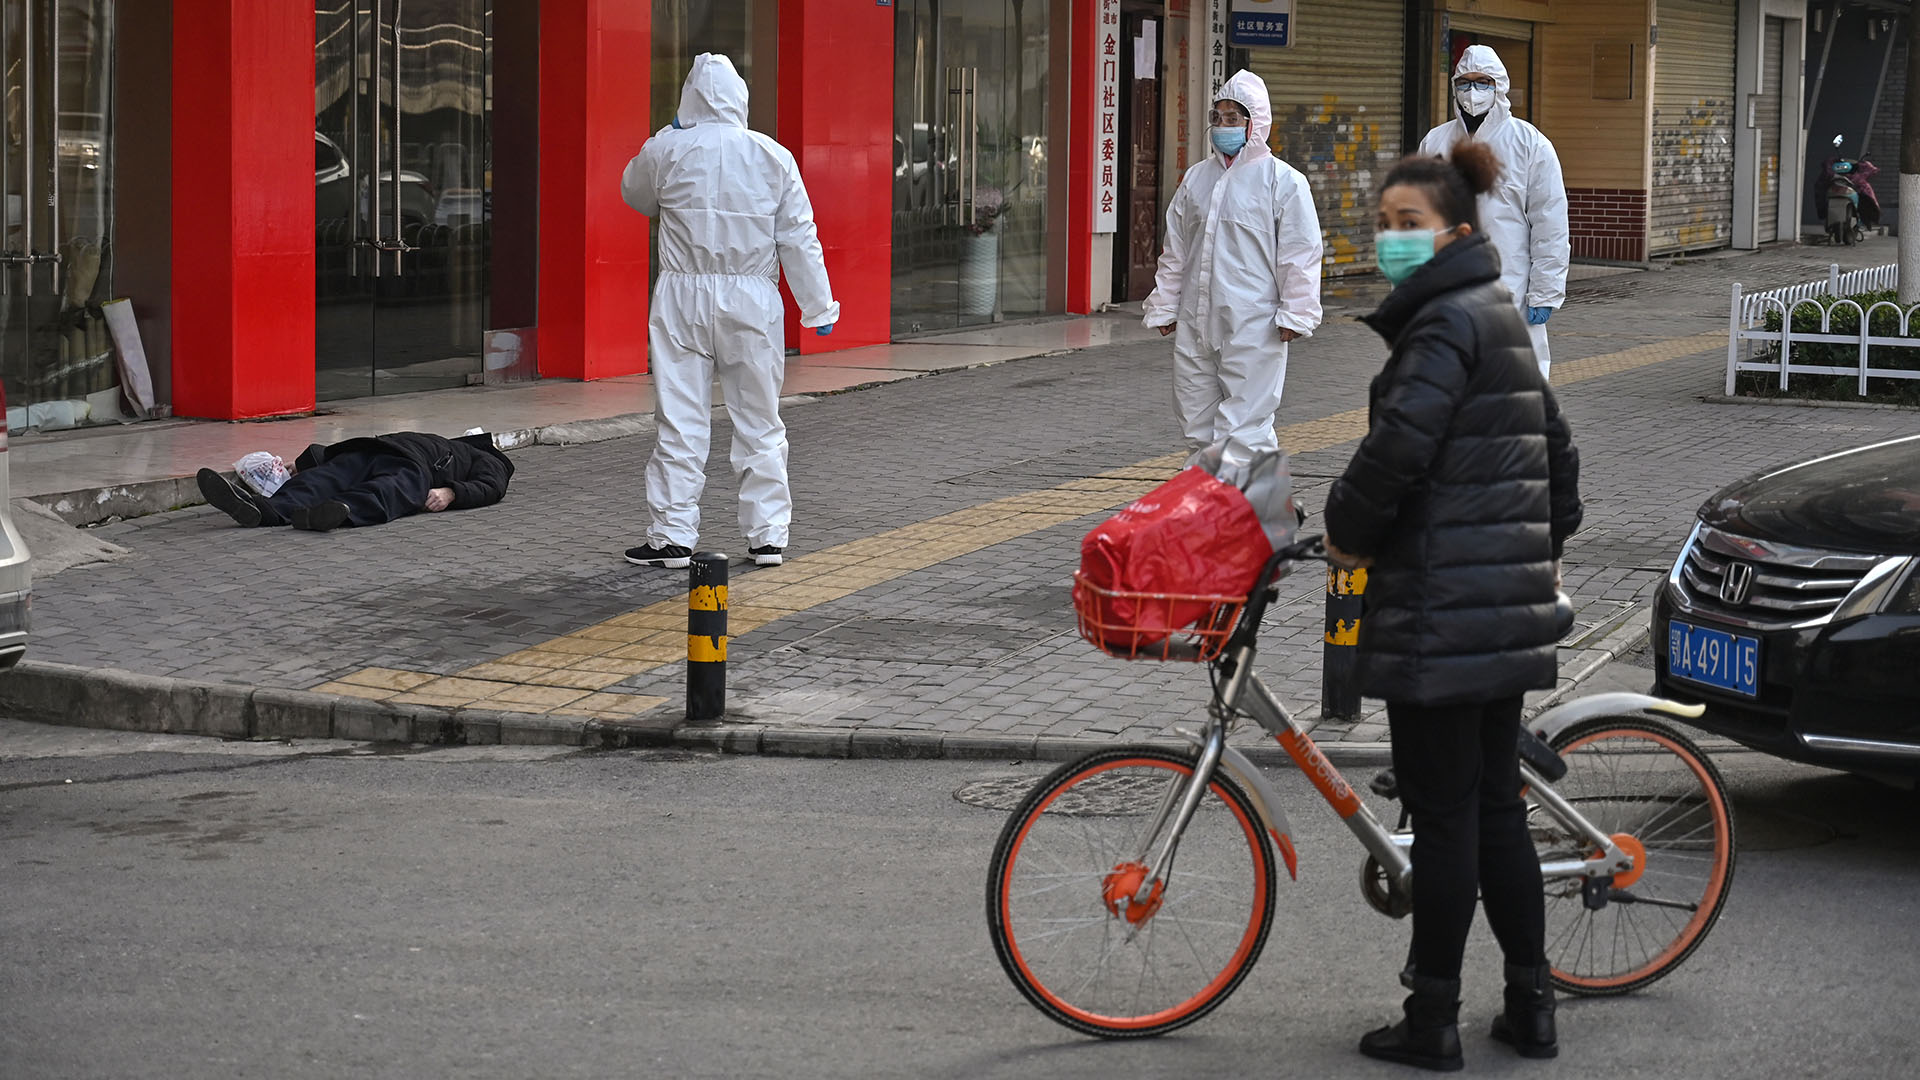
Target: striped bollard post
1339 686
707 638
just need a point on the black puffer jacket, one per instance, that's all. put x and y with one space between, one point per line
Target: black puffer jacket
470 466
1463 492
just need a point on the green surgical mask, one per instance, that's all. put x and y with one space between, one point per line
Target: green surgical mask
1402 251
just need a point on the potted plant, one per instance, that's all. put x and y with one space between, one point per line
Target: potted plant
980 254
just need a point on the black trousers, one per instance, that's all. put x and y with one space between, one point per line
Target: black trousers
1458 768
377 488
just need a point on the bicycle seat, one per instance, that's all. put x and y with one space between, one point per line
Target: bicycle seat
1535 752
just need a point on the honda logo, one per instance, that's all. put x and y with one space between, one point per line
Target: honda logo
1737 584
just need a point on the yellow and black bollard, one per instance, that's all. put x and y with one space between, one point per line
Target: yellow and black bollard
1339 685
707 638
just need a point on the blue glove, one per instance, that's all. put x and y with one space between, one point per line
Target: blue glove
1538 316
824 331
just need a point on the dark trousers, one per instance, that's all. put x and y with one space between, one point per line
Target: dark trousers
376 488
1459 772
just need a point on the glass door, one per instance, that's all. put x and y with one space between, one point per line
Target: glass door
56 212
401 209
970 150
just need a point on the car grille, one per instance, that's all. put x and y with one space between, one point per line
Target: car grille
1785 587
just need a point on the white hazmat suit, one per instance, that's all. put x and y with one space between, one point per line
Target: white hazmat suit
1525 215
1241 262
732 213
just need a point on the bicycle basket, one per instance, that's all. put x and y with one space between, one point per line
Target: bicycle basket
1154 626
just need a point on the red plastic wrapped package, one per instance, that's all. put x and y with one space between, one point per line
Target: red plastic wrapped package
1173 558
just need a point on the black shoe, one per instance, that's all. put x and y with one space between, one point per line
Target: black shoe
670 556
228 498
326 517
1429 1036
767 555
1527 1025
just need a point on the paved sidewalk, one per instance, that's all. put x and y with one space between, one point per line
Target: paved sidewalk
926 609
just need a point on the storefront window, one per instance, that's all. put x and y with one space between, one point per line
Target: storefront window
745 31
56 184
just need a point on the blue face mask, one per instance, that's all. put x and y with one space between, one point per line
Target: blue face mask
1229 140
676 124
1403 251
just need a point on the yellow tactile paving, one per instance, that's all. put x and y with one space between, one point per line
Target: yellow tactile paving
564 675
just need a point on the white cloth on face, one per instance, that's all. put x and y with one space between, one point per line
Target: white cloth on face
732 213
1525 215
1241 262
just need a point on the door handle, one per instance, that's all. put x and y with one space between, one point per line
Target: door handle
397 244
972 98
26 254
953 185
373 114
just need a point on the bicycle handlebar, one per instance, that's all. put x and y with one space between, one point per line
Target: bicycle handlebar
1265 591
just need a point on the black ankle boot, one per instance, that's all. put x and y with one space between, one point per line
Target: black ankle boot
1527 1025
1429 1037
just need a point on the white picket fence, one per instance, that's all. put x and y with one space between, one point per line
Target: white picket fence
1746 326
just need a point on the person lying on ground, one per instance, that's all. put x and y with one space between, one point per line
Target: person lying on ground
370 481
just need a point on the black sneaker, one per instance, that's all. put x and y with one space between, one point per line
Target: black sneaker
228 498
326 517
766 555
670 556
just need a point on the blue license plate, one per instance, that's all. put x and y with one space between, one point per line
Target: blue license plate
1713 658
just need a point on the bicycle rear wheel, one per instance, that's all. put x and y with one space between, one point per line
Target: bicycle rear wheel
1662 799
1066 859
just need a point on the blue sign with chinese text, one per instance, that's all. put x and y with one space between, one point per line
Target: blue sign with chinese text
1260 30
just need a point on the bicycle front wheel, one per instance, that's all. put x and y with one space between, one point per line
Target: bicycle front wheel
1064 875
1659 796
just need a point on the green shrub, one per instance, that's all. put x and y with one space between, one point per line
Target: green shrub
1885 322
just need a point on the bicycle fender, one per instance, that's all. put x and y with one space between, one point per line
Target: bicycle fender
1265 802
1564 715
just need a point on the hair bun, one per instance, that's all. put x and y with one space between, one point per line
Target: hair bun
1475 161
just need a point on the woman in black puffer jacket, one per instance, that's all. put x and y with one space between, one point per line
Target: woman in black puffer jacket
1459 500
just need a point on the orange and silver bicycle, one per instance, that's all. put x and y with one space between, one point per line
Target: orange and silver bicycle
1133 888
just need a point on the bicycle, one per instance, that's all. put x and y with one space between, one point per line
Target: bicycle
1632 822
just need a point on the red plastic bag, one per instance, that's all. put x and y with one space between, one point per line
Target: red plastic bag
1193 536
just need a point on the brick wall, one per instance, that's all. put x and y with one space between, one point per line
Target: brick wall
1608 223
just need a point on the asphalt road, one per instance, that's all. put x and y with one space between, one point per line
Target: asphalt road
177 907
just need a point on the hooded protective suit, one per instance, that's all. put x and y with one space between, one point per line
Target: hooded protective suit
1525 215
732 213
1241 262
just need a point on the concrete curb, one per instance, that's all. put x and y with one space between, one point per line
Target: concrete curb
116 700
1805 403
1629 633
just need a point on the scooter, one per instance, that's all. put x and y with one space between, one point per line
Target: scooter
1849 206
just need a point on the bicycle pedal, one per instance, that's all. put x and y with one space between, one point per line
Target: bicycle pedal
1385 785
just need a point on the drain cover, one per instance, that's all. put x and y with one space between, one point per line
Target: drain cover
1114 794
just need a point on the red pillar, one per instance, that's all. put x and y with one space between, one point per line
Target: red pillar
243 293
595 65
836 116
1084 85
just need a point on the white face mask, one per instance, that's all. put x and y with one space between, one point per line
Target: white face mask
1474 98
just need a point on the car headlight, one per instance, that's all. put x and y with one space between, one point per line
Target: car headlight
1906 599
1879 590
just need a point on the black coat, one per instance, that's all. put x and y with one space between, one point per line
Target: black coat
476 472
1463 491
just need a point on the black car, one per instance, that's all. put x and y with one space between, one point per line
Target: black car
1793 612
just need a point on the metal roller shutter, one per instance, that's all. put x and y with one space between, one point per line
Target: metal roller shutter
1767 110
1693 117
1337 97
